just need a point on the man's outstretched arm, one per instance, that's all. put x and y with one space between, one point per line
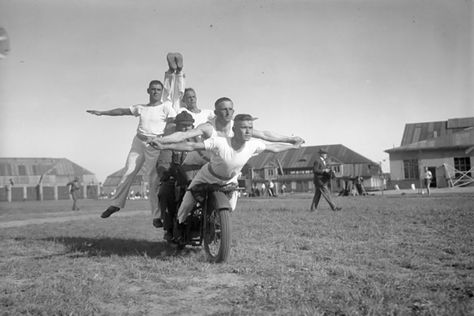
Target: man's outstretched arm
113 112
277 147
273 137
183 146
177 137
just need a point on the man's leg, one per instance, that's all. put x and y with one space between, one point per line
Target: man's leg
316 198
151 158
327 195
135 160
186 206
161 166
166 198
74 199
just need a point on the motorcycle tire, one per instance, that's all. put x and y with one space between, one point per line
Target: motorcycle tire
217 236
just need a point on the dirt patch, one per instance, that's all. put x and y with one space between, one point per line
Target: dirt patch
199 297
60 218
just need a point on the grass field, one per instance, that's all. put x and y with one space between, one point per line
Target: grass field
382 255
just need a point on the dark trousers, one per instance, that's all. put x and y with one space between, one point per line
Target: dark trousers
74 201
168 204
322 189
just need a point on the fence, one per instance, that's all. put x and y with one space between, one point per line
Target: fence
36 193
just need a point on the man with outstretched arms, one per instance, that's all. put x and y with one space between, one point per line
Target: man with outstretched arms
153 118
228 156
221 125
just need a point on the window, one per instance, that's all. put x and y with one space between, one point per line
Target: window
462 164
5 169
410 168
21 170
270 172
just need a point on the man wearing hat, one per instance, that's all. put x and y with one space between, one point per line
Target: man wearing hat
322 176
230 154
173 181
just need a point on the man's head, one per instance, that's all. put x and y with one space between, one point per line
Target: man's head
184 121
243 126
155 90
190 99
323 153
224 109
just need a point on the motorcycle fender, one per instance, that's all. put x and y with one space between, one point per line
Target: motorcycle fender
219 200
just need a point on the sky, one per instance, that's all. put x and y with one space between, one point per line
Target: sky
349 72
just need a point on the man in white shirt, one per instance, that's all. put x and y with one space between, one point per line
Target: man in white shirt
427 180
228 156
153 118
221 125
189 102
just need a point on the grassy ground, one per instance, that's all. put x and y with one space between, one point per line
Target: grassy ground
382 255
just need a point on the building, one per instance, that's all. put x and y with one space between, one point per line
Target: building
139 188
43 179
445 147
294 168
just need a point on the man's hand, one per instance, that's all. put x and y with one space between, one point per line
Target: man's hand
155 143
98 113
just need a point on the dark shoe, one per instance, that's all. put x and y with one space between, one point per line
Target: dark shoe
168 236
109 211
157 222
337 209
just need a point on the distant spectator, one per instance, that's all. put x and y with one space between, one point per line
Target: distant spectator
283 189
74 187
322 175
359 184
427 180
271 189
263 189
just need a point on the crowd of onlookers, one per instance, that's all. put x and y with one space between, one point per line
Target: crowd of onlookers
267 189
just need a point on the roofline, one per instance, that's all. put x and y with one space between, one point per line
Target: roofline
400 149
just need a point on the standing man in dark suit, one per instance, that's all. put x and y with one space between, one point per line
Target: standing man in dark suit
322 176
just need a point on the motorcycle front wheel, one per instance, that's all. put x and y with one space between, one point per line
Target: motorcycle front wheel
217 235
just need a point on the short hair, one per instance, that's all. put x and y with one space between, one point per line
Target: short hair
184 118
220 100
155 82
189 89
244 117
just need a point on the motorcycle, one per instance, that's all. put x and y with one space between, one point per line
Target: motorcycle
208 224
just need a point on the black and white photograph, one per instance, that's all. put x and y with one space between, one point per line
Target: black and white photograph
236 157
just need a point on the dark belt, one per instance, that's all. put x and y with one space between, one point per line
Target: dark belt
144 138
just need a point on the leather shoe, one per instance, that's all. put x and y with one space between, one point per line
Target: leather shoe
109 211
337 209
157 222
168 236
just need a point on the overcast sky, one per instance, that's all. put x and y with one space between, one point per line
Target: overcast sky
331 71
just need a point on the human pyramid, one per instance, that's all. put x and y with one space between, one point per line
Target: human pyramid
218 143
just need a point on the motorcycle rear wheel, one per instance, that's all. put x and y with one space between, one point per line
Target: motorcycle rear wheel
217 237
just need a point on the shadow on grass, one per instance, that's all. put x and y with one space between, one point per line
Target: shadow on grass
104 247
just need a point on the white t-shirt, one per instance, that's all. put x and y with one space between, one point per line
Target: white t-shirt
152 118
198 158
199 118
226 162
